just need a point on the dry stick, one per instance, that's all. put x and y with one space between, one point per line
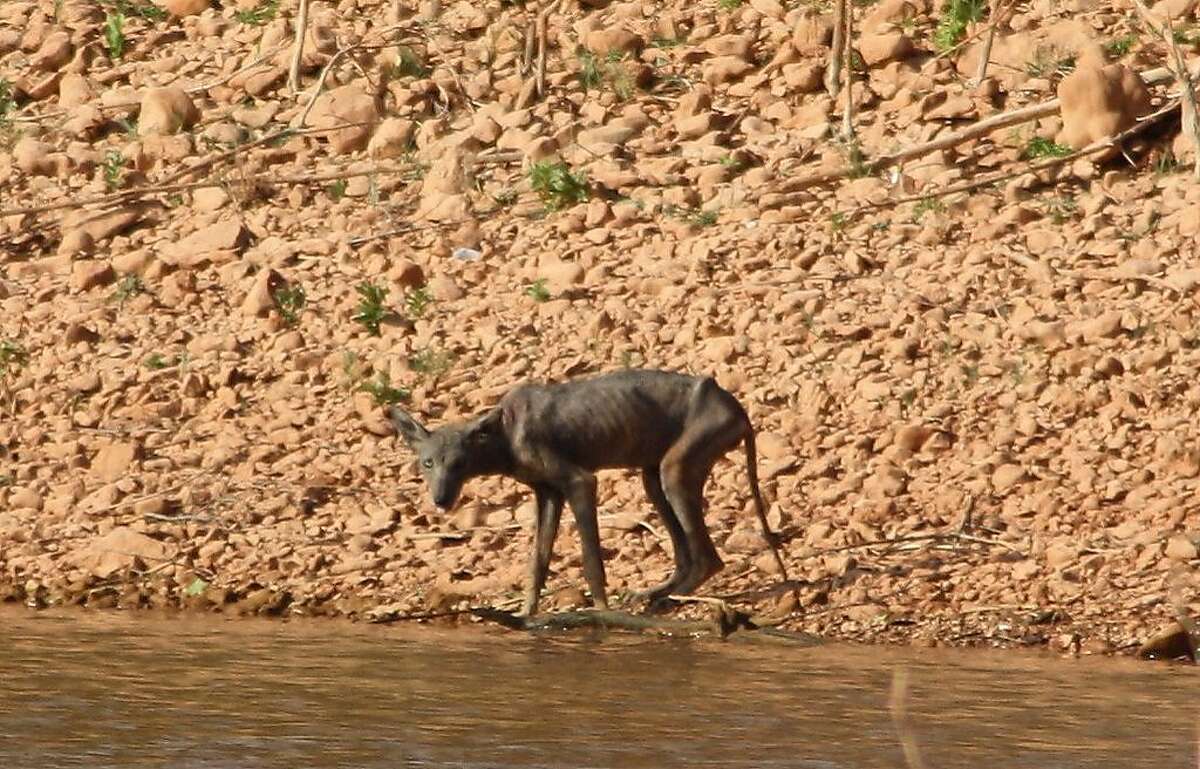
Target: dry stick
168 185
542 20
848 61
299 119
1091 149
1179 69
833 73
226 78
293 81
996 22
988 39
974 131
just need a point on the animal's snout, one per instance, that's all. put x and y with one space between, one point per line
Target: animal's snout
443 501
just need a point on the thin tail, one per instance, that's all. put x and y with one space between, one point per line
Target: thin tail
759 507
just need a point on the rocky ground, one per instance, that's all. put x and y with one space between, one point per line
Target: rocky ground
973 371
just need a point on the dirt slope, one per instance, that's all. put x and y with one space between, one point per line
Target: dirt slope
1000 381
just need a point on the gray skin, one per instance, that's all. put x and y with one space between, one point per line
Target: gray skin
554 437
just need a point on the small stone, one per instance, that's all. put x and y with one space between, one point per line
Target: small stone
87 274
114 460
166 111
1181 549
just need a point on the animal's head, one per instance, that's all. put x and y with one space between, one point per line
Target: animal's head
452 454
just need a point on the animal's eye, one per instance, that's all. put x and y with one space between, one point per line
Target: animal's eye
428 463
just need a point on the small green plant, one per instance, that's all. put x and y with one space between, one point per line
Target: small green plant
417 301
155 362
928 205
127 288
382 391
859 167
590 75
12 357
692 215
729 5
371 310
351 370
289 301
148 11
1041 147
195 587
557 186
732 162
1118 47
1166 164
406 64
260 14
956 16
7 102
337 190
430 362
1185 35
537 291
1061 208
113 169
594 72
114 34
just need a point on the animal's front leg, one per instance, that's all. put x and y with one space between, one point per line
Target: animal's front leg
581 493
549 504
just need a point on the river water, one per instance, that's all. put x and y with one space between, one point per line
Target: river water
97 690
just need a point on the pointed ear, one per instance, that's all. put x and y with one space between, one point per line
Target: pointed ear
485 426
408 428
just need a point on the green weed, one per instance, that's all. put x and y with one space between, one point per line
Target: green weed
430 362
289 301
260 14
12 357
1118 47
155 362
556 185
956 17
1041 147
114 34
337 190
113 169
1049 62
371 310
417 301
383 392
928 205
729 5
691 215
537 291
406 64
127 288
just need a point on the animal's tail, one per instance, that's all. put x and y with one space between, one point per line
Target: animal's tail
759 507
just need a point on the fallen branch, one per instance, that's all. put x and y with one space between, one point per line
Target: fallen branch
974 131
1179 70
833 73
293 81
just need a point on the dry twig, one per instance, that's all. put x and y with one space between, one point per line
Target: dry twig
293 81
1179 69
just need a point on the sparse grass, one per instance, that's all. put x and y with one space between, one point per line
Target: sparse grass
417 301
382 391
729 5
1049 62
731 162
12 357
1120 46
337 190
289 301
114 34
1166 164
928 205
260 14
430 362
857 160
556 185
351 370
371 309
594 73
148 11
1061 208
1041 147
128 126
956 17
113 169
127 288
537 291
691 215
156 362
1185 35
838 221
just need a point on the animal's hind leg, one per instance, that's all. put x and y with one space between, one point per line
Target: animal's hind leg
549 509
652 482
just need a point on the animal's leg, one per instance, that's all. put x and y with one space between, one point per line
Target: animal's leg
549 509
684 473
652 482
581 494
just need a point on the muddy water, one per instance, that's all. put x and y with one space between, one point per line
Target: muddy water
117 690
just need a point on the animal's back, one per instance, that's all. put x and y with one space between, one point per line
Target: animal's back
626 418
